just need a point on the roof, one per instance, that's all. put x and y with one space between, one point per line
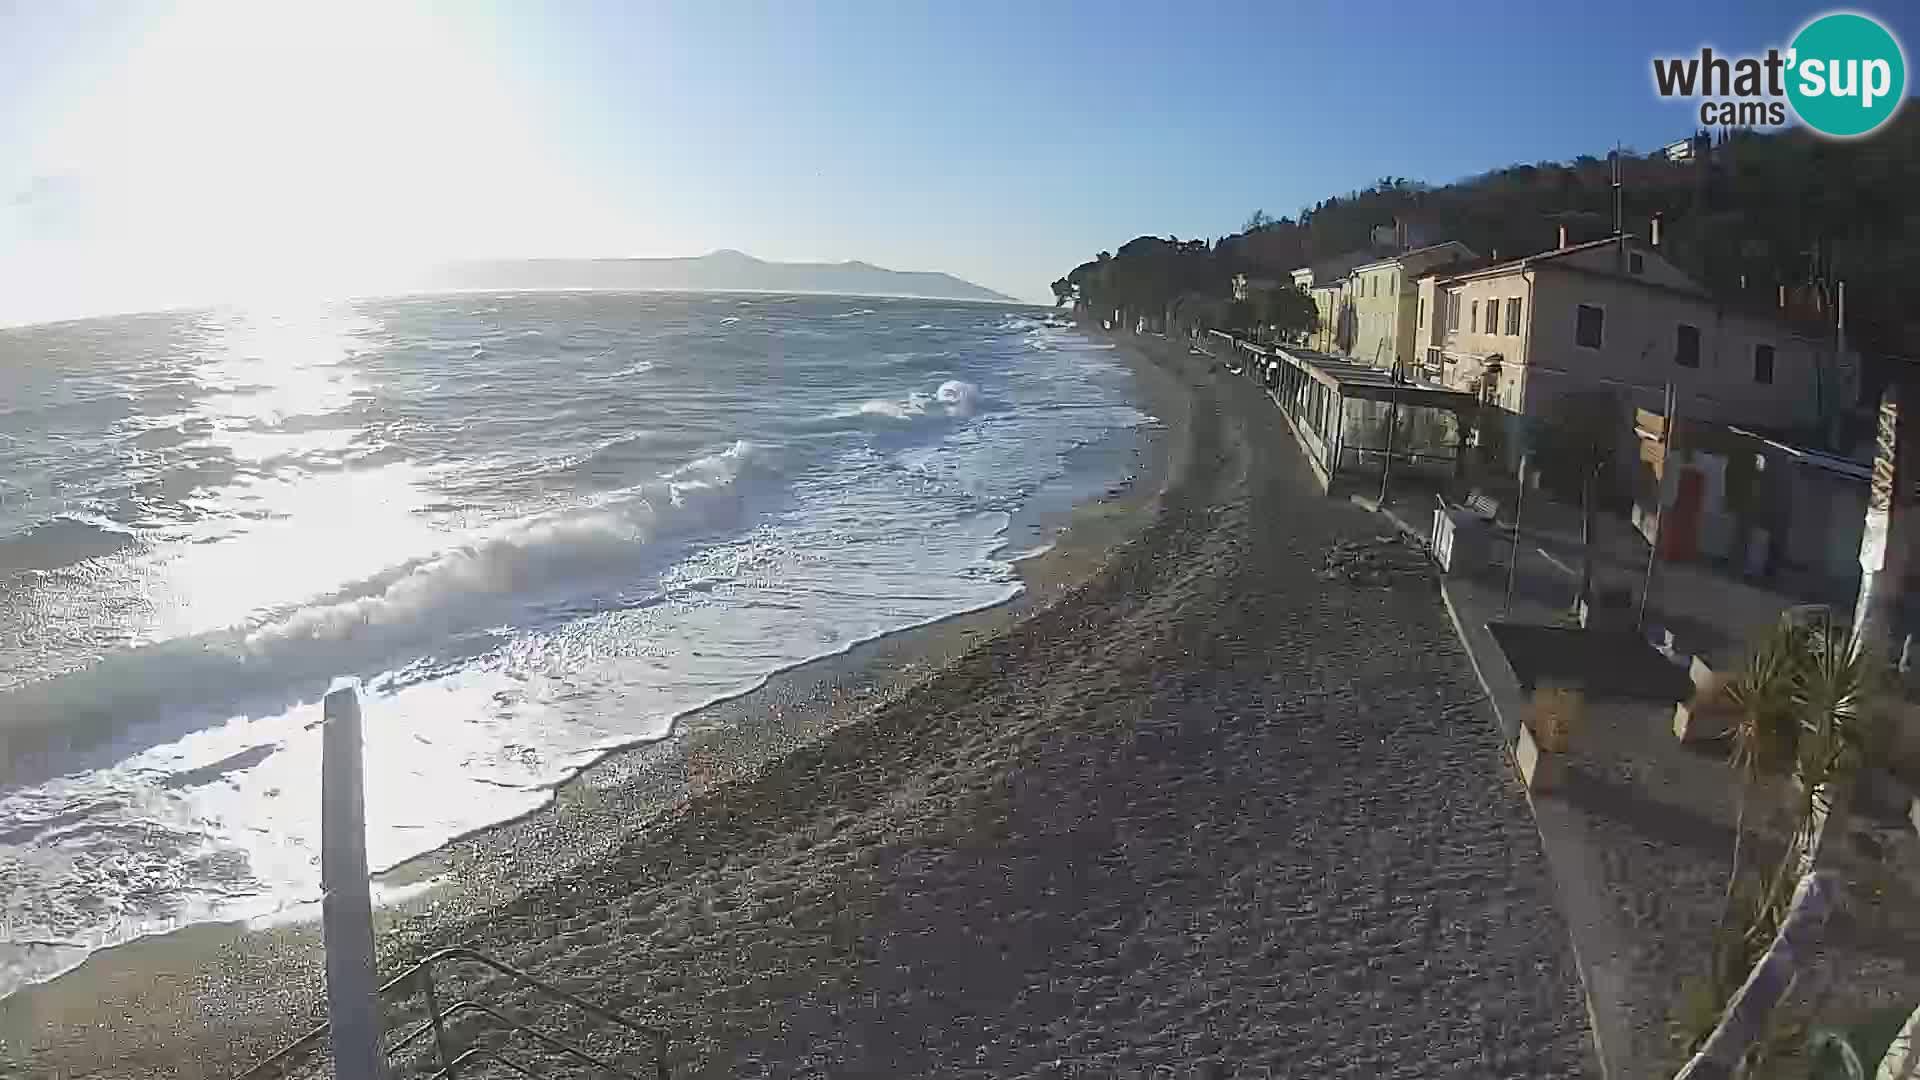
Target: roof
1525 261
1361 381
1455 269
1337 266
1385 259
1744 306
1818 459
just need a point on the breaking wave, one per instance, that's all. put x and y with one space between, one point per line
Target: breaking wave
61 542
954 398
465 590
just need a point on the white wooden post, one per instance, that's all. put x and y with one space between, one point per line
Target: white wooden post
353 1008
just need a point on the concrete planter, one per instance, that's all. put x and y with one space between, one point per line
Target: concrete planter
1540 770
1708 714
1540 751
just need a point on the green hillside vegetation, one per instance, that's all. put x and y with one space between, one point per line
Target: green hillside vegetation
1780 209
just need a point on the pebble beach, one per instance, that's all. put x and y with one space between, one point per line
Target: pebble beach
1190 806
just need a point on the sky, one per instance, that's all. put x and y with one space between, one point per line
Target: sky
161 154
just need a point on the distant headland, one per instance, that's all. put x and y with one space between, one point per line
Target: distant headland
721 271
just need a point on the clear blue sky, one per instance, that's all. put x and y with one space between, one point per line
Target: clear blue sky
147 151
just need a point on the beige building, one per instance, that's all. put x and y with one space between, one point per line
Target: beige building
1381 300
1326 282
1613 313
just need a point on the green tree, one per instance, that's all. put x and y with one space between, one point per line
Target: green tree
1240 316
1288 310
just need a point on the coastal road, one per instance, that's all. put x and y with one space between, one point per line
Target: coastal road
1208 815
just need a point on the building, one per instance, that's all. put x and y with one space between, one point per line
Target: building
1757 503
1245 287
1382 301
1615 314
1325 281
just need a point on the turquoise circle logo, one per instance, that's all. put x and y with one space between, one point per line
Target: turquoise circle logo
1848 75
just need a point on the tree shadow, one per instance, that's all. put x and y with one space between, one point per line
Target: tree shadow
1628 805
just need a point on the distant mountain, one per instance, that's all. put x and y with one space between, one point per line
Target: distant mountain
722 271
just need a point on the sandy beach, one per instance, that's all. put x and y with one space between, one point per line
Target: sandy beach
1185 805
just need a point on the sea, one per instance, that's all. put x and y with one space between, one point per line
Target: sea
535 527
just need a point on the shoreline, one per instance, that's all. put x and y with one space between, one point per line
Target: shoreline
164 989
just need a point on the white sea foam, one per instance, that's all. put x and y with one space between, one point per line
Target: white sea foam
384 619
526 560
526 557
954 398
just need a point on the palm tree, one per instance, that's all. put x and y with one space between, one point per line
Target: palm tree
1807 697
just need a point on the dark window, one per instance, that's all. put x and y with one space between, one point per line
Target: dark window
1589 326
1763 363
1686 347
1493 316
1513 317
1637 263
1453 311
1473 318
1423 312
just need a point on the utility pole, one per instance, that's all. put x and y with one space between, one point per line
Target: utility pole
1839 357
1672 419
1619 212
1513 550
1393 421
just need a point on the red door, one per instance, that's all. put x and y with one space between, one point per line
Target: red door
1680 523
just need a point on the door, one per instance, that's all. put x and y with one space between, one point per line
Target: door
1680 523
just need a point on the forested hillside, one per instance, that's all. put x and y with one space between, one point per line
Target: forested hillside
1760 211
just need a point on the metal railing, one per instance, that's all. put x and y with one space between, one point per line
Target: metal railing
451 1060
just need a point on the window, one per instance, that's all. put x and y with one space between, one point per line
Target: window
1376 285
1763 364
1493 316
1453 311
1513 317
1589 326
1686 346
1422 315
1473 318
1637 263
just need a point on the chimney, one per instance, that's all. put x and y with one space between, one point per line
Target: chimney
1563 236
1654 233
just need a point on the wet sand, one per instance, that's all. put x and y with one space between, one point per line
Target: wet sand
1185 805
